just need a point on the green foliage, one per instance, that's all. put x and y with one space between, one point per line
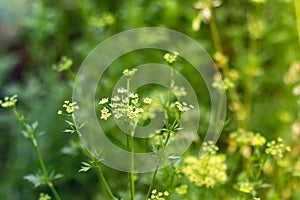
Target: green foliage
254 44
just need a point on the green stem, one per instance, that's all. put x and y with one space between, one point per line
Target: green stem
152 180
215 33
132 166
297 7
158 162
130 148
93 158
218 46
71 74
32 137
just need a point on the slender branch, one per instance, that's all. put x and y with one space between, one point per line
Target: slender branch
32 138
93 158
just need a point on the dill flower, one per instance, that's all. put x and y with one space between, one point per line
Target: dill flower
129 73
178 91
221 59
210 147
64 64
244 137
155 195
159 138
147 100
101 21
245 187
44 196
207 171
183 107
103 101
182 189
171 57
204 14
9 102
69 107
220 84
122 90
277 148
292 76
125 105
105 114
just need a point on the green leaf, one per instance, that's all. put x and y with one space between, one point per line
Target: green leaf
35 179
69 131
82 125
54 176
71 124
85 167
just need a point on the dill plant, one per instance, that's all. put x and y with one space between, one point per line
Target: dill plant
30 131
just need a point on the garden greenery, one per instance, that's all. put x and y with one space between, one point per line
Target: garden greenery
254 45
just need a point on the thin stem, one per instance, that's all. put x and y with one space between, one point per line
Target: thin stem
132 167
130 148
32 137
93 158
159 159
153 179
218 46
297 7
215 33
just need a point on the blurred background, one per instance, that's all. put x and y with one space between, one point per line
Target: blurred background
37 36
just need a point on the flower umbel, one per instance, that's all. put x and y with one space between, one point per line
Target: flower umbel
171 57
9 102
69 107
129 73
155 195
63 65
243 137
44 196
125 105
206 171
245 187
277 148
183 107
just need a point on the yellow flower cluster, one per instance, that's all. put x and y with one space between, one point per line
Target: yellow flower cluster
155 195
159 139
292 76
245 187
125 105
183 107
44 196
178 91
129 73
209 147
244 137
207 171
220 84
182 189
101 21
63 65
9 102
277 148
171 58
204 14
70 107
221 59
